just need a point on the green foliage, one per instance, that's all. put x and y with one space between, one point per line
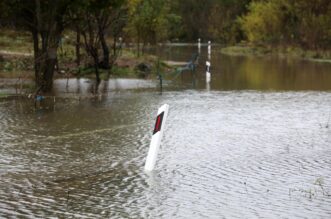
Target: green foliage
264 21
222 23
151 20
122 71
188 20
301 22
8 66
15 64
314 22
84 71
210 19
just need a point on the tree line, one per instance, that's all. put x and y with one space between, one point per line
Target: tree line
99 24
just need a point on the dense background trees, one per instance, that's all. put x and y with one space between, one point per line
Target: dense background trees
98 24
304 23
211 19
151 21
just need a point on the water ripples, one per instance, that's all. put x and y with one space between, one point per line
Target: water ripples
225 154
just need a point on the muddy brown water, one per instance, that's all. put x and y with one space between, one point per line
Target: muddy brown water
255 143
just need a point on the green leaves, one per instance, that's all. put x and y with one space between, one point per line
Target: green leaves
303 22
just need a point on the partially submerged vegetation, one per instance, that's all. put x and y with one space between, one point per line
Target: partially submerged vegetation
77 38
16 61
74 37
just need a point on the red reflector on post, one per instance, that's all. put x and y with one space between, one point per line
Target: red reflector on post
158 123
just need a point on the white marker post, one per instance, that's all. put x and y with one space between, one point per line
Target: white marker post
156 138
208 75
199 45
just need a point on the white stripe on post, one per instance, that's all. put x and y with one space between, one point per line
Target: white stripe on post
156 138
208 75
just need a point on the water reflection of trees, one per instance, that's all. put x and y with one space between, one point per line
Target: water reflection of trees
272 73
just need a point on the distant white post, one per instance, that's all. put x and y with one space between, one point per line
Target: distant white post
199 45
208 75
156 138
209 49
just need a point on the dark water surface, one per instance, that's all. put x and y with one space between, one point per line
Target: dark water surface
256 143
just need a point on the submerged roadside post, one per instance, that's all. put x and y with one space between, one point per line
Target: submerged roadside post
156 138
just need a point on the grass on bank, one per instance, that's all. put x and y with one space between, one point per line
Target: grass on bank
292 52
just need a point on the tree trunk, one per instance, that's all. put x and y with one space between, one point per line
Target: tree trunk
46 26
96 68
105 49
95 56
35 36
78 46
36 55
50 62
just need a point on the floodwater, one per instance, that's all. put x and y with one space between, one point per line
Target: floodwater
239 147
